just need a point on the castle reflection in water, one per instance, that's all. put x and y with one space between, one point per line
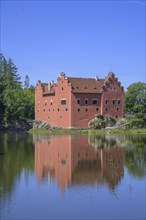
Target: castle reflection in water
78 160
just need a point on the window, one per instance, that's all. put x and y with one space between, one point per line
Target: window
106 101
78 101
62 88
78 109
45 102
60 116
51 102
44 110
58 109
117 109
114 101
106 109
38 111
66 109
116 116
97 109
48 117
86 101
114 89
94 101
38 103
63 101
86 109
48 110
119 101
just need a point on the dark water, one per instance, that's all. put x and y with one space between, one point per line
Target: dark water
72 177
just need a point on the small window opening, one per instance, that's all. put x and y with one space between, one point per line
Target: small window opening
94 101
114 101
78 101
86 101
63 101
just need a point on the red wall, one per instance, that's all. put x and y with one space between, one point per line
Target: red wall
68 115
115 110
49 113
81 119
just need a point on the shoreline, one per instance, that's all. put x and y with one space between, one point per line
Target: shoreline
86 131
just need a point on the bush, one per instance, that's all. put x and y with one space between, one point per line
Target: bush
122 121
139 115
137 123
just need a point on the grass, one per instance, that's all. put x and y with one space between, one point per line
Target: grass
81 131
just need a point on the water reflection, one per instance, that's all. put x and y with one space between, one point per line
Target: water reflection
78 163
16 155
78 160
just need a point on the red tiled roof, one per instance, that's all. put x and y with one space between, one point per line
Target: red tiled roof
86 85
45 89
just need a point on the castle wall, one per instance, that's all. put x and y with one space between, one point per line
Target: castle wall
62 107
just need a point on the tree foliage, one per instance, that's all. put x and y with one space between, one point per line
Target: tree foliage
135 98
15 101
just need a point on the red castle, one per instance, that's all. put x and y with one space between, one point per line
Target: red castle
73 102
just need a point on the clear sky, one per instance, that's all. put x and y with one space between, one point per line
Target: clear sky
80 38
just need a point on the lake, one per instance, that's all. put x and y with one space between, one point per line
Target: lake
72 176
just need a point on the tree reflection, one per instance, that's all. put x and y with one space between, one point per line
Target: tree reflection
16 153
134 153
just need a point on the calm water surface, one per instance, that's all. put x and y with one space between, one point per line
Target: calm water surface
72 177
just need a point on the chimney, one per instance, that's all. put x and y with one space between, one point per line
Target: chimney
49 86
96 77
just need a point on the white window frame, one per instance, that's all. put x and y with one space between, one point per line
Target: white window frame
63 99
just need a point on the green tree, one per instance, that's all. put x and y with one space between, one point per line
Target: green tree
135 98
15 102
27 107
12 89
26 82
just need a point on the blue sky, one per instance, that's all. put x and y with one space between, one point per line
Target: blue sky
80 38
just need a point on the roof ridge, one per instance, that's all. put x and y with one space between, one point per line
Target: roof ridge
83 78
